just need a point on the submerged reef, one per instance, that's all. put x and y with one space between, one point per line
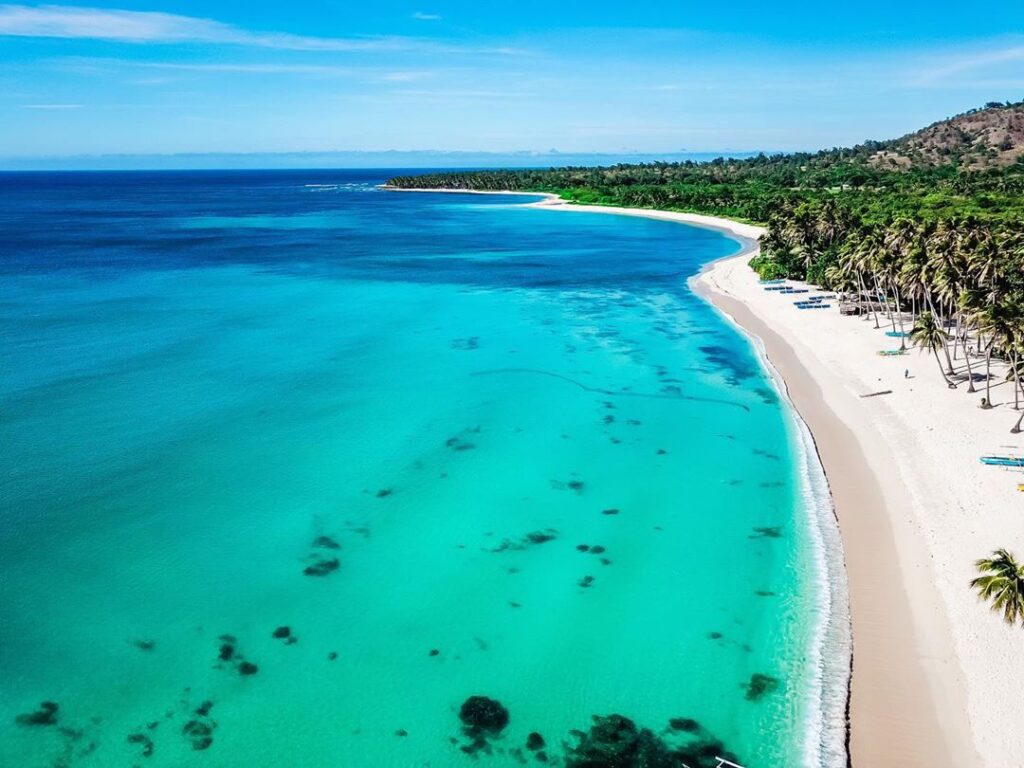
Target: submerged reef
228 652
285 633
760 686
572 485
199 734
321 562
45 715
460 442
483 719
614 741
322 566
144 741
530 539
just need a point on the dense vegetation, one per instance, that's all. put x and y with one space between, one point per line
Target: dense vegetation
927 228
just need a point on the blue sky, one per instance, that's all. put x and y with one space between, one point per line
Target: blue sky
181 76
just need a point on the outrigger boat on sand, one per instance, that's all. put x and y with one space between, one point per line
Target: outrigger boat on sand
1002 461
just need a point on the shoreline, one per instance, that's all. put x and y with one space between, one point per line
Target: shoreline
892 708
929 661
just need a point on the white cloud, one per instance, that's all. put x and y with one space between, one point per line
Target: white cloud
406 76
151 27
70 22
421 16
956 64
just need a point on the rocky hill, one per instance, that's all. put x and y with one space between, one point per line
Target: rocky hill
990 137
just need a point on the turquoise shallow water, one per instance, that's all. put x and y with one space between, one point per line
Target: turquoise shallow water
206 374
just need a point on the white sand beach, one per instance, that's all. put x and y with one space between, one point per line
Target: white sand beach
940 510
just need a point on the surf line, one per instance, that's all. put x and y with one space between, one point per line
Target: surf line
609 392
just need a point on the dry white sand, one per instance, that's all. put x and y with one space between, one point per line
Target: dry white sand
942 510
937 677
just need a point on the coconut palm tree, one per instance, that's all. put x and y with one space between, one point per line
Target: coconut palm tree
1003 323
967 307
927 334
1002 583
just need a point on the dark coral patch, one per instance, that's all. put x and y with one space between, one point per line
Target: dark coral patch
144 741
45 715
530 539
615 741
322 566
684 724
199 734
760 686
458 444
483 716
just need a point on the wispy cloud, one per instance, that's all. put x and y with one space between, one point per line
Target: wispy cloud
957 64
71 22
51 106
421 16
247 68
113 66
152 27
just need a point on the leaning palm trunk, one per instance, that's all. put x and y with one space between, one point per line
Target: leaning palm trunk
956 334
970 370
1016 381
988 375
945 347
899 313
949 382
883 298
863 293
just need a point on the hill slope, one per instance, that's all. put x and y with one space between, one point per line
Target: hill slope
978 139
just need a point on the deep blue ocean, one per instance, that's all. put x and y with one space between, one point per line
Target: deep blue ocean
294 466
